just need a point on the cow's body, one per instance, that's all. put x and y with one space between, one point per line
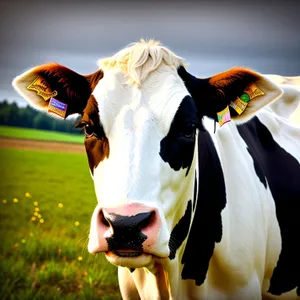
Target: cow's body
251 233
184 211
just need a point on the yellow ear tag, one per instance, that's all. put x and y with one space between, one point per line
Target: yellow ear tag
57 107
253 91
43 89
224 116
240 104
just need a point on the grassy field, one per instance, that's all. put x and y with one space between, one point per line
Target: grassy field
46 203
34 134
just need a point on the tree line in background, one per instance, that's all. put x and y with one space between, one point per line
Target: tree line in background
13 115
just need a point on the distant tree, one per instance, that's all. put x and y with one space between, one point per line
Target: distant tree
27 115
9 114
13 115
40 122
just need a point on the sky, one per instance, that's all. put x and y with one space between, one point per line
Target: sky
212 36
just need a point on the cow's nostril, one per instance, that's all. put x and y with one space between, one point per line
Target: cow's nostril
148 219
103 220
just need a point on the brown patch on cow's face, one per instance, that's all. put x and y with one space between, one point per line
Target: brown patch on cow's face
96 143
97 150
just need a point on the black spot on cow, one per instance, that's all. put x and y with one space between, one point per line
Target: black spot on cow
180 231
177 148
206 228
127 232
282 172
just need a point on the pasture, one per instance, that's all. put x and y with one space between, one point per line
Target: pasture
47 199
34 134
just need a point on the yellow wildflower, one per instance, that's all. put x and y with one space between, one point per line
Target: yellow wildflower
36 209
33 218
36 213
35 203
41 220
15 200
60 205
39 216
27 195
79 258
23 241
76 223
4 201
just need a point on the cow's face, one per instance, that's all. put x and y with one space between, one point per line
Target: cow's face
146 148
140 143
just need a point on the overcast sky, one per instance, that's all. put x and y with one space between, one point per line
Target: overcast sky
212 36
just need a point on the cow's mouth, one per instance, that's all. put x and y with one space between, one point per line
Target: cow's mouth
129 258
127 253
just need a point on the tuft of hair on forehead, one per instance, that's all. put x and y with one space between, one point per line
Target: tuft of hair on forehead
139 59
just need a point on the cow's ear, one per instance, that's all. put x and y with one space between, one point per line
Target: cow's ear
54 88
237 93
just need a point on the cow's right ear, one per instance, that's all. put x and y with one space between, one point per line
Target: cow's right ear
56 89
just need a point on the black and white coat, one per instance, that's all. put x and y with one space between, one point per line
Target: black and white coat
187 210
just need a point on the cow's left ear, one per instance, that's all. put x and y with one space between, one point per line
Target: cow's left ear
237 93
56 89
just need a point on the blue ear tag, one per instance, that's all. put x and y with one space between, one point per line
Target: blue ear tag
57 107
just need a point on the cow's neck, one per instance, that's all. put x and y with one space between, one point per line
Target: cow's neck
151 282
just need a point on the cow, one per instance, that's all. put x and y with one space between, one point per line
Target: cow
197 179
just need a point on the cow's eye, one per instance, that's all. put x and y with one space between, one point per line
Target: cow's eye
88 128
189 130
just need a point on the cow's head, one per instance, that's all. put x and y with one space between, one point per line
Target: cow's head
157 175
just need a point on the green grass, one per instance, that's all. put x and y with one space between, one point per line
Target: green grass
36 134
40 260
